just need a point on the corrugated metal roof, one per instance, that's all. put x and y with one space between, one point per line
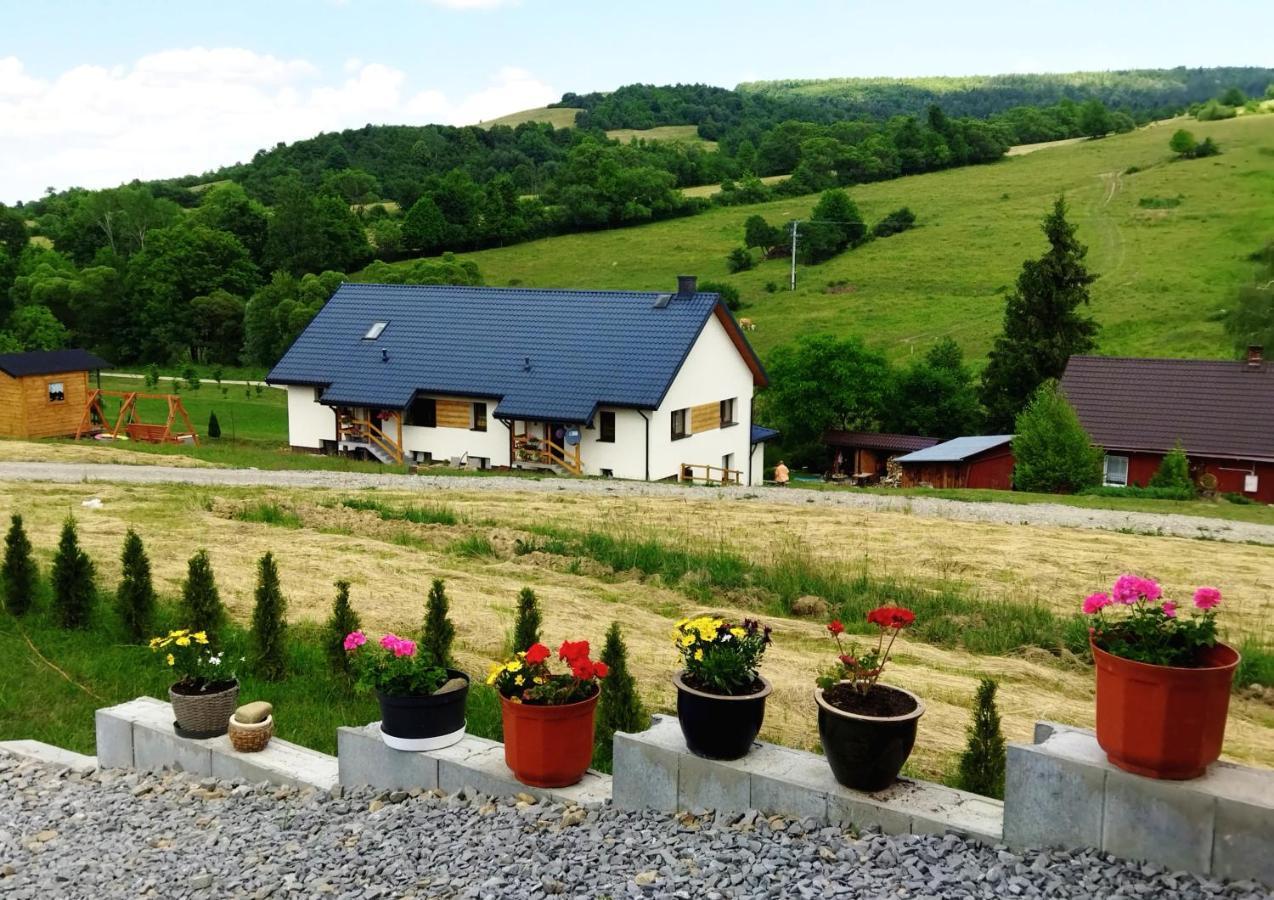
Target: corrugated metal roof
957 449
543 354
1214 407
50 362
761 434
871 440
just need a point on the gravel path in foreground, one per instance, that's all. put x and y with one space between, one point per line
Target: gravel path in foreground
930 507
124 834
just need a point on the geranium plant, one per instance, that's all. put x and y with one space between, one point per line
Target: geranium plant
720 656
395 666
863 670
196 667
528 678
1135 621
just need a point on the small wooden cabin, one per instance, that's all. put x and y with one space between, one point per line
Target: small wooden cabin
42 393
965 462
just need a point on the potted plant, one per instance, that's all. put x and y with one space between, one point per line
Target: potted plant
720 694
548 718
206 691
1163 680
422 703
867 728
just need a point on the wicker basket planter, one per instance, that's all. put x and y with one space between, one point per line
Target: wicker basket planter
251 738
203 715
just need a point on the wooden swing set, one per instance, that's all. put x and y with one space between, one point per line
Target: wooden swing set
94 420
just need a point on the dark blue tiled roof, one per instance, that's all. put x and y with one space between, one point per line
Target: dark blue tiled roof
50 362
761 434
584 348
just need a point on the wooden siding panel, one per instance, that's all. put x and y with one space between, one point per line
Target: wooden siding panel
453 413
45 418
12 409
705 417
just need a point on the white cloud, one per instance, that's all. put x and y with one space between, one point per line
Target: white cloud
473 4
189 110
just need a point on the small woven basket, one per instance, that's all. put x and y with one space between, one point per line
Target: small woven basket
204 715
251 738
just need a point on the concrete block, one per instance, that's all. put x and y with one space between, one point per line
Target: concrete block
851 809
790 783
480 766
364 759
114 731
156 749
645 774
1243 841
711 784
1052 800
593 790
937 809
281 762
1158 821
38 751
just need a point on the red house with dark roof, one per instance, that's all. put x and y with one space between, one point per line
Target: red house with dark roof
1221 412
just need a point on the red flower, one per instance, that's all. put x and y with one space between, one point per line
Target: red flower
583 668
848 660
537 653
891 617
601 669
835 627
573 650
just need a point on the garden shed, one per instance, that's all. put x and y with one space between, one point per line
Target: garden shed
42 393
864 456
984 461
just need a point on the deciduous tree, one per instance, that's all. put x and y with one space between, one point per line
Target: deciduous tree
1052 452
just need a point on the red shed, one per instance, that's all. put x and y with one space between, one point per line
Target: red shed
964 462
1221 411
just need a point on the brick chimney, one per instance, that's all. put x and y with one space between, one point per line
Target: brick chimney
687 285
1254 356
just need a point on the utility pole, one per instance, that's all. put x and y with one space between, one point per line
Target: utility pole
792 285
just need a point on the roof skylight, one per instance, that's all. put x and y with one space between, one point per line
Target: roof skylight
374 332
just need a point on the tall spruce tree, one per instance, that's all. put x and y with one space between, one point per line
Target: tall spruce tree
439 631
19 574
1044 324
983 762
343 620
619 708
269 628
200 601
73 588
526 627
135 597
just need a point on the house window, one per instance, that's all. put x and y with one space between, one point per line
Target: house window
606 427
727 466
679 420
1117 471
478 421
374 332
727 412
57 392
423 412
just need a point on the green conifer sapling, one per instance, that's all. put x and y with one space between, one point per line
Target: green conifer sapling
982 765
269 628
73 590
18 576
135 598
343 621
439 631
619 708
200 601
526 628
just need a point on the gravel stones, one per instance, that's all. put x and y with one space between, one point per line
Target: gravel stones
186 837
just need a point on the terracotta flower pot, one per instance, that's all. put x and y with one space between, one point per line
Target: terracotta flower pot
424 723
719 726
548 746
204 714
865 752
1163 721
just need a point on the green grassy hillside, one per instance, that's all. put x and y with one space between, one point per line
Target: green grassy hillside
1166 273
557 116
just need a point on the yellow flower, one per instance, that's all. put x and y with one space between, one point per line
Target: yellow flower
183 642
520 680
541 679
687 640
155 643
494 673
698 655
738 632
513 666
178 633
171 661
682 624
201 637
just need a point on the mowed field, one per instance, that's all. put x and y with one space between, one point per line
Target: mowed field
1166 274
391 561
557 116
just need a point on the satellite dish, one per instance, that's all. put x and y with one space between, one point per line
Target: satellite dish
571 437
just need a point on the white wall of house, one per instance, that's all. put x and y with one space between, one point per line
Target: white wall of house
713 371
758 464
445 443
625 457
309 422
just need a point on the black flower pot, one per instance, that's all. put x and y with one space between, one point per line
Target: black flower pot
719 726
424 723
866 753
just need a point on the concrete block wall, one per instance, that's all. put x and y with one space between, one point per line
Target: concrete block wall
654 769
139 735
1061 791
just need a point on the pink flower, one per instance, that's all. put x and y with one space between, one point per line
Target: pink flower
1129 589
404 647
1095 602
1169 609
1207 597
354 640
390 641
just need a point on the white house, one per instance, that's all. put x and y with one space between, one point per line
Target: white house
627 384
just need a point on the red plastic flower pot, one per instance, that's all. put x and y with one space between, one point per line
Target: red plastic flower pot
1163 721
548 746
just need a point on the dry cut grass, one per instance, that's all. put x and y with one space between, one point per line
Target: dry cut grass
91 452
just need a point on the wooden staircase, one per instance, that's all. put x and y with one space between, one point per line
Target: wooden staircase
363 434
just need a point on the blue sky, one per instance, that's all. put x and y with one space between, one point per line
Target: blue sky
95 93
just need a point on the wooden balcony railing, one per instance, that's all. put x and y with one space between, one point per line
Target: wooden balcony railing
711 474
366 430
533 449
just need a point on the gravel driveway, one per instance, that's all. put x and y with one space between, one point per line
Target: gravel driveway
125 834
930 507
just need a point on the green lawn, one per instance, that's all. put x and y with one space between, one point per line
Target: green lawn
1166 274
557 116
244 413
